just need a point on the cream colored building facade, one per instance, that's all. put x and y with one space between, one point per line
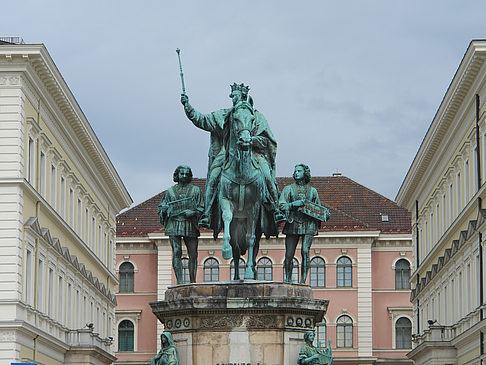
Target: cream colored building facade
445 192
59 195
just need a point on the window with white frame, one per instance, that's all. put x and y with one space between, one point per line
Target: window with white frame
93 233
458 192
51 290
86 226
71 206
28 277
211 270
79 217
444 212
31 162
344 272
62 197
317 272
321 334
437 222
185 271
344 332
53 184
264 269
241 269
40 285
466 180
432 236
60 302
451 204
42 174
402 274
403 333
125 336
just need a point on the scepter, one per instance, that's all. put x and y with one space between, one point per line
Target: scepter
180 68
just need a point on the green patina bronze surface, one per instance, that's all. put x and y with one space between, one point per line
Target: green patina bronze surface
168 354
304 214
179 212
241 196
311 355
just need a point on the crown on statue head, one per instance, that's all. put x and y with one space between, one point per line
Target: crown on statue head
242 88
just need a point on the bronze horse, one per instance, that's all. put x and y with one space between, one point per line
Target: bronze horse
241 192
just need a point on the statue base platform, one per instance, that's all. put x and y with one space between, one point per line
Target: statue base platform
239 322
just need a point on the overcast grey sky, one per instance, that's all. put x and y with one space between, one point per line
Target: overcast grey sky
348 86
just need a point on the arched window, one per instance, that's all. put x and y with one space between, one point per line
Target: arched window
321 334
264 269
126 277
403 333
317 272
185 271
295 271
211 270
402 274
344 272
344 329
125 336
241 269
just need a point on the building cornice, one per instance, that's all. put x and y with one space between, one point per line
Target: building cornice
36 64
454 98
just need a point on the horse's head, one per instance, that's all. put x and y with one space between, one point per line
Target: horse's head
243 117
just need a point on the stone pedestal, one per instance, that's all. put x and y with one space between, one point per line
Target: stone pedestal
239 322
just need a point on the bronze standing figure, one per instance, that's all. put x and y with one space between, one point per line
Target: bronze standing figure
304 212
179 213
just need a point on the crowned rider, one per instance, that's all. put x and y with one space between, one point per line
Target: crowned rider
264 147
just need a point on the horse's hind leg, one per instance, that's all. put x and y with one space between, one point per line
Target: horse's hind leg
227 214
251 239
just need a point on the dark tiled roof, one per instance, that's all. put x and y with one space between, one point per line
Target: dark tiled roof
352 206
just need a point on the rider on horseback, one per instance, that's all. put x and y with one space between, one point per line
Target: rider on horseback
264 147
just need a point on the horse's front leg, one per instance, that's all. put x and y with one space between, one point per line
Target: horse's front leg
227 213
250 238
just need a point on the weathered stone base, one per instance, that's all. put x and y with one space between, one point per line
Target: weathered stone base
240 322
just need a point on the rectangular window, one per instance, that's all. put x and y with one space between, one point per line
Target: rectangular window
60 303
444 220
105 248
62 202
28 277
437 222
77 322
451 204
69 304
42 174
432 233
426 239
80 218
99 242
85 310
453 299
40 286
446 314
459 296
50 299
53 186
458 193
86 227
71 206
468 288
110 256
31 162
475 169
466 181
439 304
93 233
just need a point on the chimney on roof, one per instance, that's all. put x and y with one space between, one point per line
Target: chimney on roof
336 174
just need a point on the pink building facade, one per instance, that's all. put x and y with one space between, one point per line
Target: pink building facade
361 262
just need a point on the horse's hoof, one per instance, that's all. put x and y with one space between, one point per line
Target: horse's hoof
227 252
249 274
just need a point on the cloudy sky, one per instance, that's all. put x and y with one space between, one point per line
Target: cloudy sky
346 86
